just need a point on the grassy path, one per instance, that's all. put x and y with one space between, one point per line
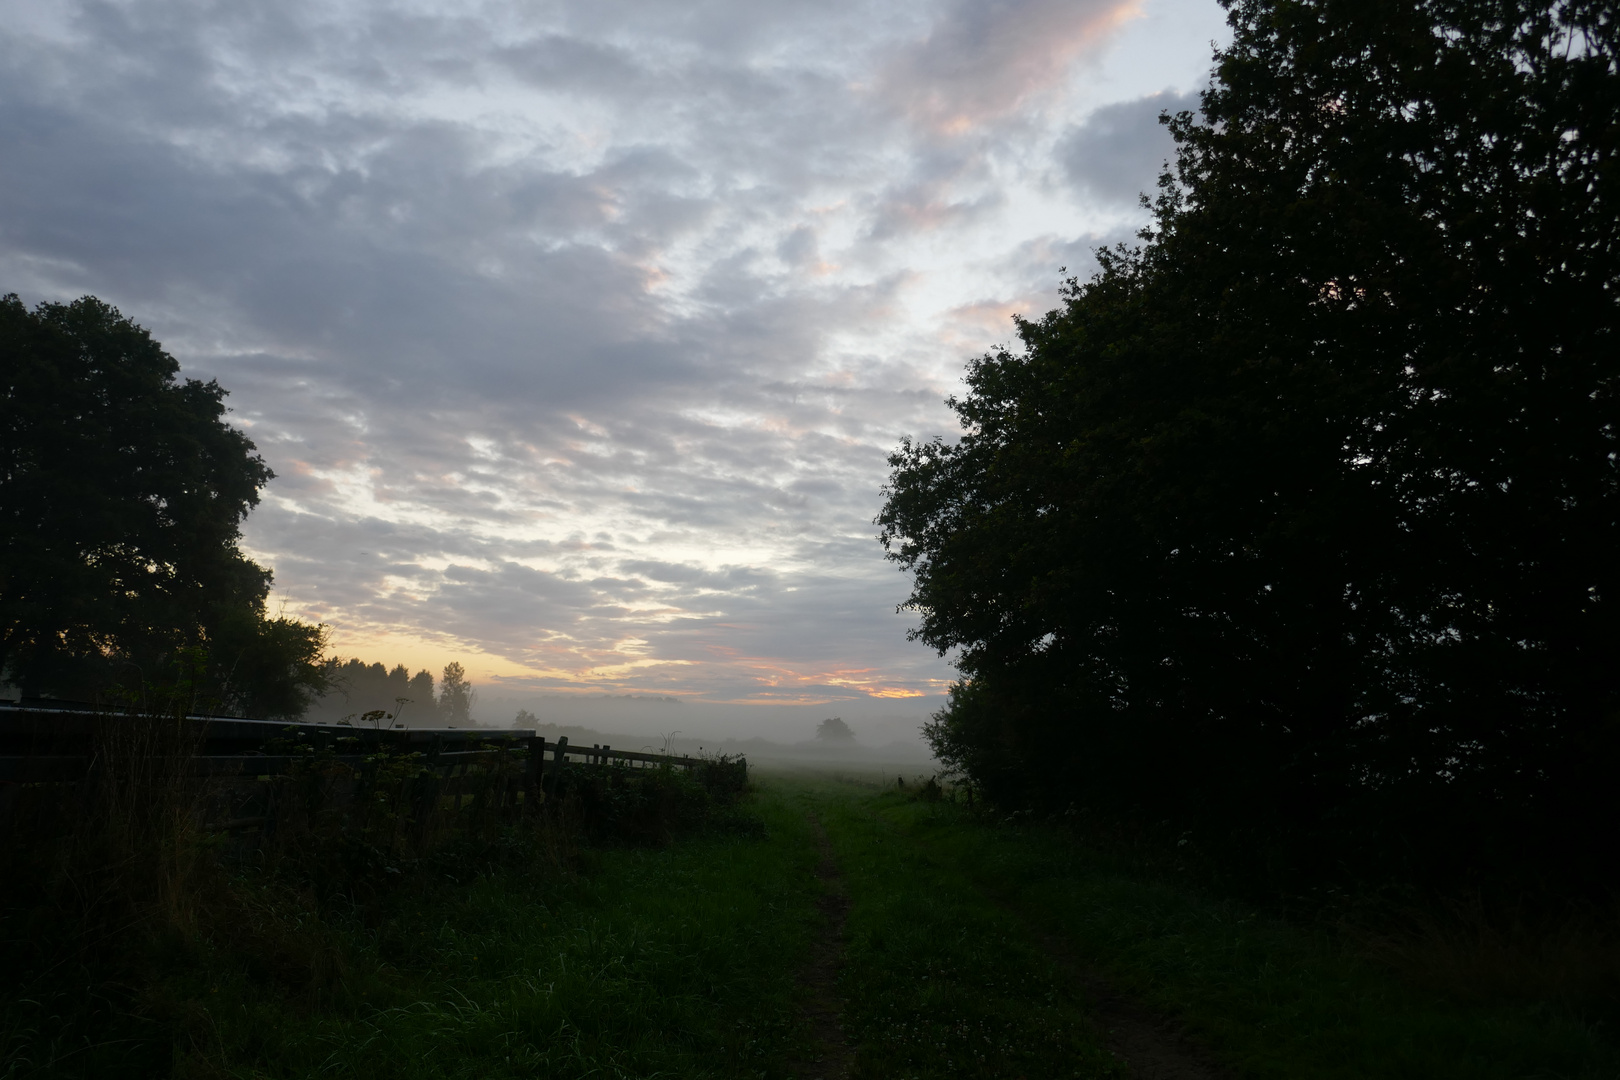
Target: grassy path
859 934
938 981
822 1006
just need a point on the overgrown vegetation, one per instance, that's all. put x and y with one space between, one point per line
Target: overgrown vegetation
1294 528
130 899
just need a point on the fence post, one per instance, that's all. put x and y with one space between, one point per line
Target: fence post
532 771
558 761
426 802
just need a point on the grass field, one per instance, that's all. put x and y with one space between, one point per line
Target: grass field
969 949
1261 998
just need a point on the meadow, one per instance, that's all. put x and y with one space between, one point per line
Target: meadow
839 925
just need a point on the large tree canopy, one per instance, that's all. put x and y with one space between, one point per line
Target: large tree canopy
122 492
1303 515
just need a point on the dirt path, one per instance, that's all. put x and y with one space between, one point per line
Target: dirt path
822 1007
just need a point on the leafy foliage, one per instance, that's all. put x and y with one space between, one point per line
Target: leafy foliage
1299 519
122 492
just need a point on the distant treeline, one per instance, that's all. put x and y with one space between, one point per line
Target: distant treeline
377 695
1295 532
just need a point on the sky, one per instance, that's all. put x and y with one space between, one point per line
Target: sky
578 334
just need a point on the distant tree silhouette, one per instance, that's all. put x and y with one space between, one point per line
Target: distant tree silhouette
1298 523
456 695
834 730
122 492
356 687
422 703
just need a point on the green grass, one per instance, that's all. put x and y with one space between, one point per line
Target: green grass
677 962
1272 1000
938 982
683 962
661 963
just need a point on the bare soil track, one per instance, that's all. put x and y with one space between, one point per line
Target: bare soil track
832 1056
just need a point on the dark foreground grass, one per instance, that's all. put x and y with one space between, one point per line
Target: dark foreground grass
938 982
1267 998
677 962
683 961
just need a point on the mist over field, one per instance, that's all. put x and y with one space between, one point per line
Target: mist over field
892 730
644 722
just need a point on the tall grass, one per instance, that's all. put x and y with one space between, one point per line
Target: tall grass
97 869
125 891
625 961
1476 951
670 961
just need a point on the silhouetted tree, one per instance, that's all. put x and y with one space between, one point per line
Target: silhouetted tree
356 687
1302 516
420 691
456 695
122 492
834 730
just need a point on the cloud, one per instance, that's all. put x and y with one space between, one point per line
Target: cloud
578 333
981 61
1117 153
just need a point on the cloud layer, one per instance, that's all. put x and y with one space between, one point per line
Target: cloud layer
578 333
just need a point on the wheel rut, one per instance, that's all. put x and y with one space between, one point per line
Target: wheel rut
832 1056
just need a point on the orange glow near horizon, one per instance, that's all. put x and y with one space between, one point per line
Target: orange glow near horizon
776 681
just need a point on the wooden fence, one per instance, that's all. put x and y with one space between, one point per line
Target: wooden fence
502 769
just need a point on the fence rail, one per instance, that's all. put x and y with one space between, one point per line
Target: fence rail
46 743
